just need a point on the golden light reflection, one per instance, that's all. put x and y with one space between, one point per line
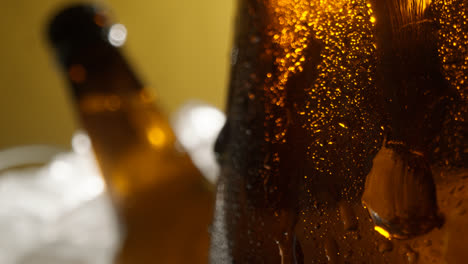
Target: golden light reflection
344 30
120 185
382 231
333 43
156 136
290 30
77 73
100 19
453 40
146 97
407 12
98 103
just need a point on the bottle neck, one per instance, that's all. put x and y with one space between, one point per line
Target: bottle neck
98 68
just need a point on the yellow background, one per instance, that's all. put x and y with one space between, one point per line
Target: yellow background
179 47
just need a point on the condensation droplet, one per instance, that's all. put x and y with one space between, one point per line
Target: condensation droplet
348 254
427 242
347 216
356 236
331 250
290 250
298 253
400 194
411 256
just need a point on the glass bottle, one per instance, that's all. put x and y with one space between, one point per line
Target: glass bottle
346 134
163 201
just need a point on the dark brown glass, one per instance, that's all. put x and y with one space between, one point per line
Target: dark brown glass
164 203
346 134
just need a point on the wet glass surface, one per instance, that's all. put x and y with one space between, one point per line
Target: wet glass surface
346 133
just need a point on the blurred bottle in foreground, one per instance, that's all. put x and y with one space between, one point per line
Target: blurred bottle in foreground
346 129
164 202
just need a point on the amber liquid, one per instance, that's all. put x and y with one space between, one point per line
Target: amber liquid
346 134
164 202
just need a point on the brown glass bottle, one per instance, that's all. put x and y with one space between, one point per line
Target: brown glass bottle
346 134
164 203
